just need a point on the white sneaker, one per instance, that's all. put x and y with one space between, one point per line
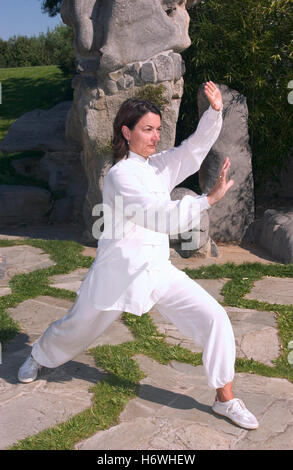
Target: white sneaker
236 411
29 370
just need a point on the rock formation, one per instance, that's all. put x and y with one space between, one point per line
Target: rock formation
197 243
123 49
230 217
60 167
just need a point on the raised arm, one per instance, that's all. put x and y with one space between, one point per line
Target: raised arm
183 161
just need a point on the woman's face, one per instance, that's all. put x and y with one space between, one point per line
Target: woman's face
145 136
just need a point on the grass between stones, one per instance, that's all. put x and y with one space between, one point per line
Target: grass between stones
111 395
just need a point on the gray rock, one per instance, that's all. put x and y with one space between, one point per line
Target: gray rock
148 72
214 250
87 65
71 281
274 232
256 334
111 87
120 32
23 204
23 259
286 187
179 67
29 166
134 71
230 217
191 3
199 238
66 176
129 81
121 83
120 37
90 82
165 67
63 210
275 290
38 130
174 410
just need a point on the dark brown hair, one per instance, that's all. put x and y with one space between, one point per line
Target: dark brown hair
130 112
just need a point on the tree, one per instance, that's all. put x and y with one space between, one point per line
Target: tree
52 7
52 48
3 53
59 45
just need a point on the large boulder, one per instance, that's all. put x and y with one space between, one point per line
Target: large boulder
118 33
29 167
116 57
182 243
285 186
38 130
24 204
274 232
230 217
66 178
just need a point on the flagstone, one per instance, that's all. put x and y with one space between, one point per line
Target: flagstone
275 290
175 418
23 259
71 281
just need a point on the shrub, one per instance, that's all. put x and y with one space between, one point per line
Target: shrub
247 46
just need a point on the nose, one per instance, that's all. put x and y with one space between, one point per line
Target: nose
156 135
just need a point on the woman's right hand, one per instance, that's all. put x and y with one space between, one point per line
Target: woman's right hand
221 186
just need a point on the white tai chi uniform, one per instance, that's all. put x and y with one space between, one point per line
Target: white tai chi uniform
132 271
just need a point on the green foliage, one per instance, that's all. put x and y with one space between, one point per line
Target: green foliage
247 46
104 149
154 94
52 48
28 88
59 43
25 89
52 7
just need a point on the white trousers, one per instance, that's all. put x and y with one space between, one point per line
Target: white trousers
185 303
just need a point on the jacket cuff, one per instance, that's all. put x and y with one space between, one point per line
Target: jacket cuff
213 112
203 202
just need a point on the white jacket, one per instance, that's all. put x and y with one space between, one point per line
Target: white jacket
133 250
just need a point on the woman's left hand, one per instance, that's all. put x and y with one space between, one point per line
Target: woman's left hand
214 95
221 186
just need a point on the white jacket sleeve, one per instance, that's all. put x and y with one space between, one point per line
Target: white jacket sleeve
180 162
135 204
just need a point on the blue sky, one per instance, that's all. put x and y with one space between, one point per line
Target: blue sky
24 17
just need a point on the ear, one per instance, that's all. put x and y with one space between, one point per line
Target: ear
126 132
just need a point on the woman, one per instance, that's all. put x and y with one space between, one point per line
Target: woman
132 271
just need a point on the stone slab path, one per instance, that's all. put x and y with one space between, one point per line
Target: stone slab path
173 409
173 412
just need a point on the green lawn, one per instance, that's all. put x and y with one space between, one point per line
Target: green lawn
25 89
28 88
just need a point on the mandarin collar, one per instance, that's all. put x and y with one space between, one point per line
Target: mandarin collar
139 158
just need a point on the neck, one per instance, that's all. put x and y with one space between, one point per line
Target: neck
137 153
